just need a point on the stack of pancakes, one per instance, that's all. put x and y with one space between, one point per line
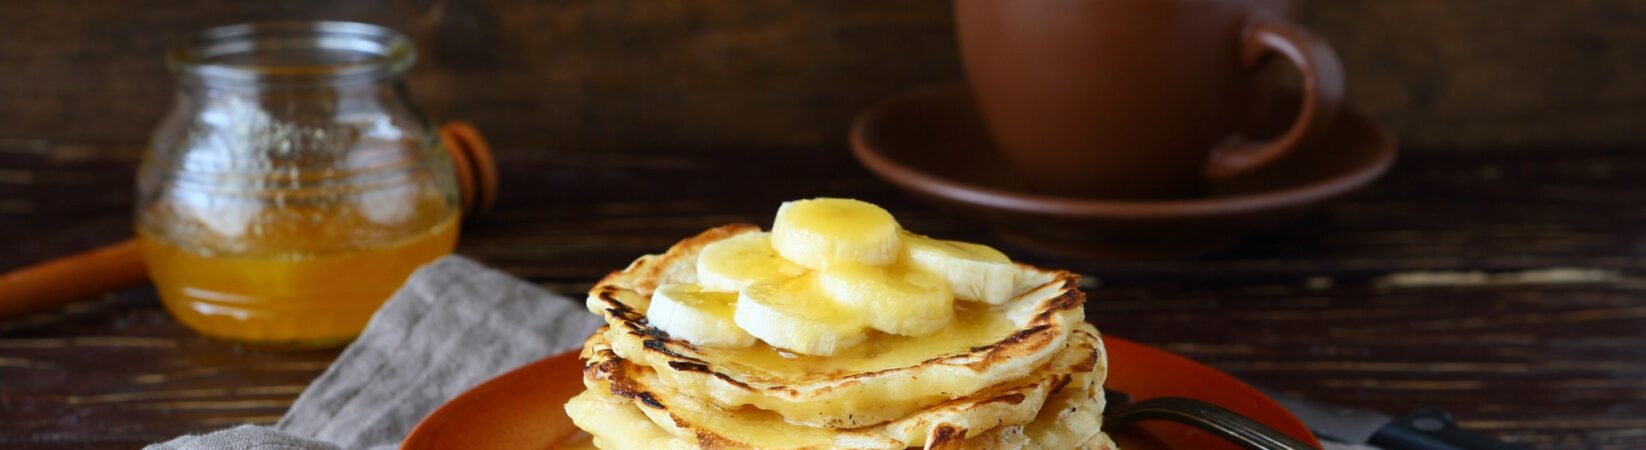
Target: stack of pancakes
1024 374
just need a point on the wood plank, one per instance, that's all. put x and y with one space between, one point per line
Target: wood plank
1505 287
786 74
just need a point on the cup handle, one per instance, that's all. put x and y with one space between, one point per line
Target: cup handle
1322 93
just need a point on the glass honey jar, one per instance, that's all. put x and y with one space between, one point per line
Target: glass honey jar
293 186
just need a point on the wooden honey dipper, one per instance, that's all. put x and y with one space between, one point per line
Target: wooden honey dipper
112 267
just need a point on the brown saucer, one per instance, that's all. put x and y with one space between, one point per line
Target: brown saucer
931 143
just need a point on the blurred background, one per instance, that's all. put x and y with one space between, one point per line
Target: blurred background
591 75
85 81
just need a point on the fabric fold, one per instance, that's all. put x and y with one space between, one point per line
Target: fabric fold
453 325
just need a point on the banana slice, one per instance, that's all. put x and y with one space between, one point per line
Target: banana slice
974 272
895 299
703 318
794 315
818 232
730 264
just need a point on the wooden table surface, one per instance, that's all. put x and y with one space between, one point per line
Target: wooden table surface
1503 286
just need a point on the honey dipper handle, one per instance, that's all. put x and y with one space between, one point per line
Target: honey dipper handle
59 281
473 162
118 266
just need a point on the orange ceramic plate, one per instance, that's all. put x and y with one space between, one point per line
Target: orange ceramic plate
522 409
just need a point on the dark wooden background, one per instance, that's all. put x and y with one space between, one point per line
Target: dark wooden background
1497 272
595 75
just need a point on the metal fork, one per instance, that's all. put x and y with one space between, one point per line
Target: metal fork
1240 430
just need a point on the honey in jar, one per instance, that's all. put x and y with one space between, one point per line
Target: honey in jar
293 187
302 286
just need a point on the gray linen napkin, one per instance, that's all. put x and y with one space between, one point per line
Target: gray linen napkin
453 325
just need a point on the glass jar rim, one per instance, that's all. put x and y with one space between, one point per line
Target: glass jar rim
309 51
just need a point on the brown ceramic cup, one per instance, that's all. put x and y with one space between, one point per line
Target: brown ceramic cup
1137 99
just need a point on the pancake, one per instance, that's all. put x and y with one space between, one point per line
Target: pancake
1080 366
1069 421
617 424
880 381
